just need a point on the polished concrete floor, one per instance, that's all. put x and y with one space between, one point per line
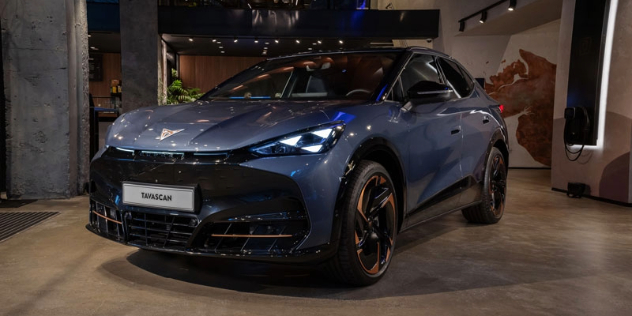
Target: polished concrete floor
550 255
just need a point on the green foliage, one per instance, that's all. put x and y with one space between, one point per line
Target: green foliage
176 93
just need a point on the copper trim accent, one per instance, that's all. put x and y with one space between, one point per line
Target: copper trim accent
376 268
107 218
359 206
250 236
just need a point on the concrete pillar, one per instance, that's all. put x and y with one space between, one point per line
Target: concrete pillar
44 55
605 169
140 54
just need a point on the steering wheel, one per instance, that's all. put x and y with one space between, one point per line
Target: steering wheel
357 91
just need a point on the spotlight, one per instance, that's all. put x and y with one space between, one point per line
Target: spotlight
298 41
461 26
276 41
512 5
190 39
483 17
341 42
214 40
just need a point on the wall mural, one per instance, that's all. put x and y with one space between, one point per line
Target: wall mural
526 88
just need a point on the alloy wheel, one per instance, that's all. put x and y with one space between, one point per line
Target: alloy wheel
375 224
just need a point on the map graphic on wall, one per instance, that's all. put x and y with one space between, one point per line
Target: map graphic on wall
525 84
527 89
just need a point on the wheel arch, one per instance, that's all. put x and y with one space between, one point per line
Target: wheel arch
383 152
499 140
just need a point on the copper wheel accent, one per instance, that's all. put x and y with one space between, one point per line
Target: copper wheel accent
498 185
375 224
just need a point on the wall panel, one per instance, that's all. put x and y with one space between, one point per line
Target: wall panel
111 70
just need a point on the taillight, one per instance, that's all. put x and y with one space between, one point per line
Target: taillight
501 108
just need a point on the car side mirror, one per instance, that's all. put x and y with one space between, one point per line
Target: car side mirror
427 90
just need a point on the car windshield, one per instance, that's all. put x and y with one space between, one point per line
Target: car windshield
327 76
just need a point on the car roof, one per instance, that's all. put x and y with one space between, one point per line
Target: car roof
416 49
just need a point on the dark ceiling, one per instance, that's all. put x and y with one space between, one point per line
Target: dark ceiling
105 42
186 45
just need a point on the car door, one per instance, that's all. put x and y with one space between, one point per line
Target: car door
477 124
434 144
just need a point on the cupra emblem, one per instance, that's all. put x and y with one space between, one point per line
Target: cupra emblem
168 133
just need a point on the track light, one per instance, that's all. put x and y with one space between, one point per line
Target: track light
512 5
483 17
461 26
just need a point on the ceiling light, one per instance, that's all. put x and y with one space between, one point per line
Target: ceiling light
267 43
298 41
256 40
93 48
341 41
190 39
222 52
512 5
265 47
214 40
314 43
461 26
276 41
309 48
221 47
89 35
319 41
235 40
483 17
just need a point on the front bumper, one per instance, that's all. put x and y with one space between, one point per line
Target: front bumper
242 211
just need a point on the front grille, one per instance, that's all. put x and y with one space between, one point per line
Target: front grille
160 231
264 234
106 221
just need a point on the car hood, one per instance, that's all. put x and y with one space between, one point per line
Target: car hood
218 125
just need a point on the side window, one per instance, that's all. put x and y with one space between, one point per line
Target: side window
419 68
456 78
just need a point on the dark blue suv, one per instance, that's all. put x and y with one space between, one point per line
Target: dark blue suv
319 158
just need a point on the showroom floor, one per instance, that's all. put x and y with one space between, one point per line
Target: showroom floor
549 255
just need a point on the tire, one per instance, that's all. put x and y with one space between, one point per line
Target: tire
492 207
369 227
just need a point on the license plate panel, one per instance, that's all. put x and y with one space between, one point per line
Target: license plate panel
169 197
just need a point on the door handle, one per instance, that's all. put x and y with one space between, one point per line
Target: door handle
455 131
485 119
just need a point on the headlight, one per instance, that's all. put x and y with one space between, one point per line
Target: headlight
312 141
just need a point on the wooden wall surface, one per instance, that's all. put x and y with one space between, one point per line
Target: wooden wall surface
111 70
205 72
